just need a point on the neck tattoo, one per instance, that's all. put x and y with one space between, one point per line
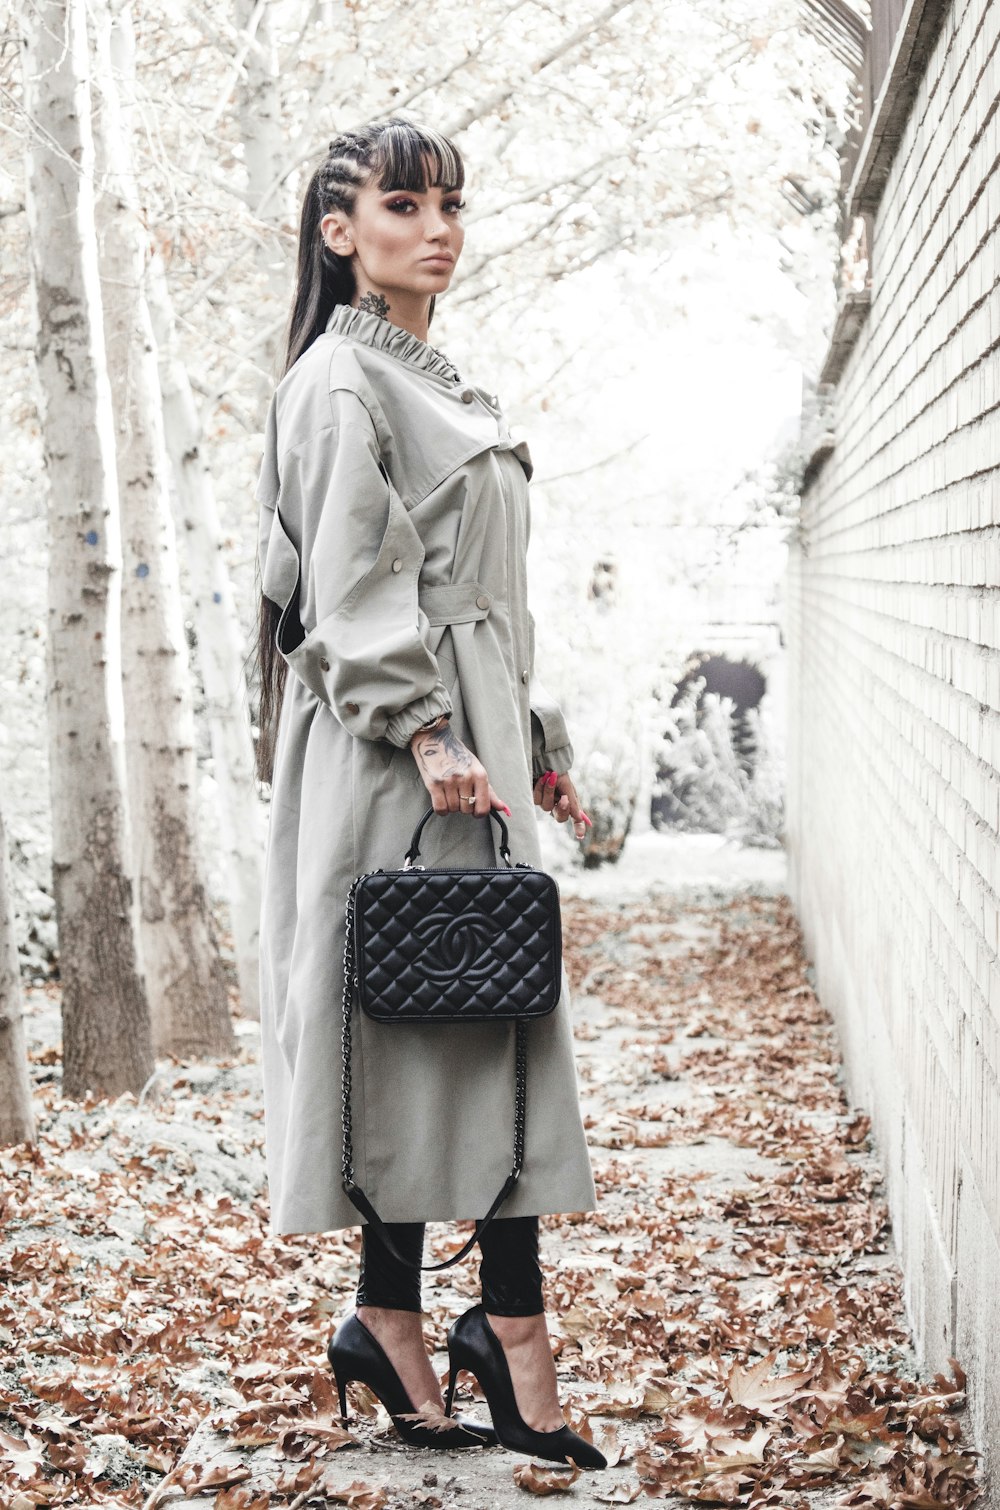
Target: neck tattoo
374 304
378 304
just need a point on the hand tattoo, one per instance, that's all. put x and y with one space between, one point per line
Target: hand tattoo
444 748
375 304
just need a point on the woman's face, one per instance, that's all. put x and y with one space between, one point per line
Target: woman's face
404 241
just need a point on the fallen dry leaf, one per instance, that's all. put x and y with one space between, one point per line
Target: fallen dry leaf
25 1456
359 1496
622 1494
538 1478
242 1497
195 1478
757 1389
431 1416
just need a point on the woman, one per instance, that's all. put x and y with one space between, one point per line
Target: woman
393 536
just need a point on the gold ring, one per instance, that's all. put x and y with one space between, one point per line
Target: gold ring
469 799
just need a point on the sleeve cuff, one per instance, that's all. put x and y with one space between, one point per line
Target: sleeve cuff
557 757
402 726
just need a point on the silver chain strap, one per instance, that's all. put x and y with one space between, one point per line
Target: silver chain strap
350 982
520 1094
347 1156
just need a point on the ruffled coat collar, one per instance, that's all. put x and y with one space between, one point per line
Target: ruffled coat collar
375 330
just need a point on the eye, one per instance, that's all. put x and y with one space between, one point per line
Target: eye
399 205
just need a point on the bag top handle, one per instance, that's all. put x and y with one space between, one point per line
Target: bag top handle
414 849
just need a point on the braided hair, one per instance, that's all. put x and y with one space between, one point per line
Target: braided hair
390 152
393 153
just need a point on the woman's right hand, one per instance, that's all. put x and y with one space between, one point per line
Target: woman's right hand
452 774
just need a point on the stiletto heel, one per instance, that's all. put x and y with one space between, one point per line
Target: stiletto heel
342 1395
450 1396
356 1353
474 1346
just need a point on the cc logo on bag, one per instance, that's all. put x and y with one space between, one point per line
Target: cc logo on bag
455 946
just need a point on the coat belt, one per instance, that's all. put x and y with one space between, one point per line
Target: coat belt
455 602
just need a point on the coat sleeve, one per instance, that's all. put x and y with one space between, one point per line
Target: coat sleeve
341 529
550 742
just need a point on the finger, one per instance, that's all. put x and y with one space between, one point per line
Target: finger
452 797
482 806
561 811
496 801
467 801
581 822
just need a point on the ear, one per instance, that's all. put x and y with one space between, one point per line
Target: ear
336 232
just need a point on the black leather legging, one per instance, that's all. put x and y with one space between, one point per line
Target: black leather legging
509 1270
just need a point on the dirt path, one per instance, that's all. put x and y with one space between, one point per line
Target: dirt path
729 1322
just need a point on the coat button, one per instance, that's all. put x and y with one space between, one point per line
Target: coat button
397 565
351 708
482 601
324 664
467 395
524 677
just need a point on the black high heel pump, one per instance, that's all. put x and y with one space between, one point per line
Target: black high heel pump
356 1353
474 1346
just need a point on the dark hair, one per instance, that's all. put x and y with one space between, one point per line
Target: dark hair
393 153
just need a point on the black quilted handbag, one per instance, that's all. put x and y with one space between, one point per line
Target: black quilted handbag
448 946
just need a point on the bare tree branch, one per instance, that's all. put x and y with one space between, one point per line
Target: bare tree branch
488 103
246 40
471 54
595 466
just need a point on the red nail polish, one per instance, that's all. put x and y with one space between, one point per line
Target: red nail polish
553 778
585 819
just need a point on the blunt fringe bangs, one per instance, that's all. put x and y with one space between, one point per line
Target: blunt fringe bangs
400 159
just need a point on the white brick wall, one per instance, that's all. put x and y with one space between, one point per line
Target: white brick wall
893 603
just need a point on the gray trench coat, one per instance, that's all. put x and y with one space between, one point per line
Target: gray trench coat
394 524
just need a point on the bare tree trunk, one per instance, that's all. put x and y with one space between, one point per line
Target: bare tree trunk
185 980
17 1121
221 647
258 99
107 1045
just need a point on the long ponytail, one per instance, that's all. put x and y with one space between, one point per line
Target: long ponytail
322 278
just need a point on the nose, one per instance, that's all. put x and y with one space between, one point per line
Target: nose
437 227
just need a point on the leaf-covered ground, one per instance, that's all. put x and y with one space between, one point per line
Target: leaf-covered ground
729 1324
